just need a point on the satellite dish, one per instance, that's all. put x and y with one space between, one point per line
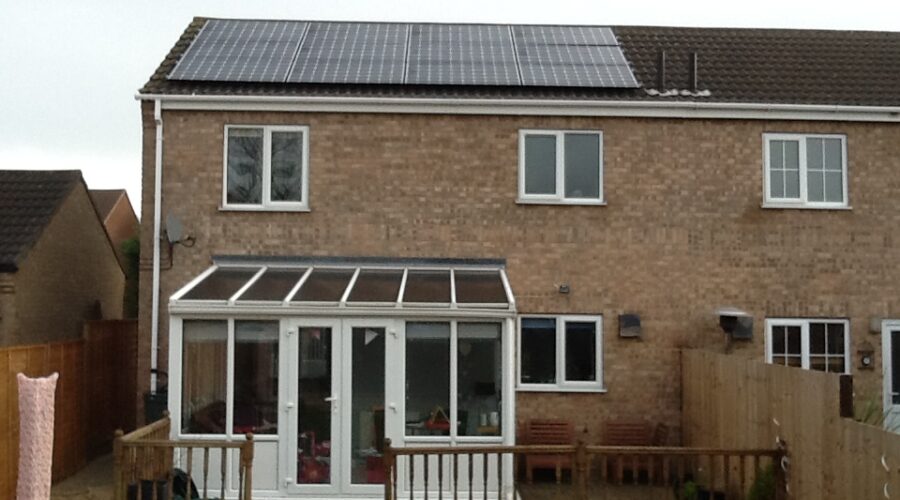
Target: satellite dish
174 228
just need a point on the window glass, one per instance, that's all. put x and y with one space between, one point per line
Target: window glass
581 351
819 158
479 379
314 409
540 164
824 344
221 284
479 287
255 377
324 285
582 161
427 286
375 285
538 351
895 366
833 170
287 166
204 376
273 285
427 379
245 165
367 405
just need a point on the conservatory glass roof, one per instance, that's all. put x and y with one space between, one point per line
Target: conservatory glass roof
455 284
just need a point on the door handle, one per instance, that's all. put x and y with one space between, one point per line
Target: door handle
331 399
393 407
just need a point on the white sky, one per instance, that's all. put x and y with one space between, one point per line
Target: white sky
69 68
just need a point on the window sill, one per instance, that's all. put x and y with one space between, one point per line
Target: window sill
574 202
793 206
263 209
557 388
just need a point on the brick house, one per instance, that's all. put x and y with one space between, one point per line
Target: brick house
386 228
57 265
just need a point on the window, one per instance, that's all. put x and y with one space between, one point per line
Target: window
812 344
561 353
561 167
443 356
805 170
205 405
266 168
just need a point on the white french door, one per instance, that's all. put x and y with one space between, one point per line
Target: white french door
890 355
334 398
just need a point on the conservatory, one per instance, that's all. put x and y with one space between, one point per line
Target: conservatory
323 358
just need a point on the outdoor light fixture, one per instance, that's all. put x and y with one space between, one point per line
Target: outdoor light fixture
629 325
564 288
735 322
866 354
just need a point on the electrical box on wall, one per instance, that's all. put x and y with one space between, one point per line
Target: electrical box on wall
629 326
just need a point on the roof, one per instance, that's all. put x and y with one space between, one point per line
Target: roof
105 200
734 65
28 201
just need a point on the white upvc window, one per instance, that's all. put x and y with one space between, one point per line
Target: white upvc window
266 168
562 167
812 344
805 171
561 353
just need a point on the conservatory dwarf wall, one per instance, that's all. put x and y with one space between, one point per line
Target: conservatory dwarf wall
322 359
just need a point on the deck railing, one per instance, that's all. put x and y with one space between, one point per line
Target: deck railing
144 461
479 472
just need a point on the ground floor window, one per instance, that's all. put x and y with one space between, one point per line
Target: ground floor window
560 353
453 374
204 377
813 344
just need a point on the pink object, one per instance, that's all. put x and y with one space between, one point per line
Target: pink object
36 408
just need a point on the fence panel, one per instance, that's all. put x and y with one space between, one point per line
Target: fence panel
734 402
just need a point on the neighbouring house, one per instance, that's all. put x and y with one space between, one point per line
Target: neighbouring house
122 225
383 228
58 267
117 215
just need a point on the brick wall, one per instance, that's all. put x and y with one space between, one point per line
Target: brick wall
71 274
683 232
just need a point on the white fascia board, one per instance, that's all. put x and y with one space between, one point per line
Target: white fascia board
642 109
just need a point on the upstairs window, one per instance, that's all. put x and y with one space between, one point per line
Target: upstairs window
266 168
813 344
805 170
561 167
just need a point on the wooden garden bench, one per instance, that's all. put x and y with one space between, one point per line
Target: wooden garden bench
548 432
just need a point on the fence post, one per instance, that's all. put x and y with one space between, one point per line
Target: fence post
247 465
580 470
389 459
118 465
846 395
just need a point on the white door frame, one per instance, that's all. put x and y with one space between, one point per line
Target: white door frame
390 406
290 374
891 410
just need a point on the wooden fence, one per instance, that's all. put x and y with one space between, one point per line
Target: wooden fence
87 410
737 403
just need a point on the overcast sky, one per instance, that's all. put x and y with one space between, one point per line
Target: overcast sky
69 69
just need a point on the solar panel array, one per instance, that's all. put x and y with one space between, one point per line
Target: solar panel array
414 54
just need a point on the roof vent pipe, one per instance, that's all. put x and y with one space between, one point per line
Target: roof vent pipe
695 67
662 71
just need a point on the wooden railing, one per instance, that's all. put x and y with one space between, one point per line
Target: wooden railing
145 459
483 472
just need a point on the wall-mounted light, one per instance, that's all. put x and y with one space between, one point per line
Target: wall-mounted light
735 322
564 288
866 355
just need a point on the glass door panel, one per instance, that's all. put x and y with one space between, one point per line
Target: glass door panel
314 405
367 404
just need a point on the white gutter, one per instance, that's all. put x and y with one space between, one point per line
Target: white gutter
543 107
157 215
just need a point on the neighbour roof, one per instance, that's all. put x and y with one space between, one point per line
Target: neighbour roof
733 65
105 200
28 200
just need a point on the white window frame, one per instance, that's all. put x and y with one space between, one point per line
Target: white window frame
804 323
803 201
267 204
563 385
560 196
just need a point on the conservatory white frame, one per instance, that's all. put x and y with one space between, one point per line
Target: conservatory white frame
272 453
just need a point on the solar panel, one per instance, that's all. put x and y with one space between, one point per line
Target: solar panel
352 53
571 56
229 50
448 54
385 53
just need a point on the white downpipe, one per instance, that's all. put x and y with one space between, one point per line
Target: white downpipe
157 214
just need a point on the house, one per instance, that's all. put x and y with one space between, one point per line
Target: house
118 216
386 228
122 226
58 268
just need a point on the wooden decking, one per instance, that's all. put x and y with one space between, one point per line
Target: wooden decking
550 491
